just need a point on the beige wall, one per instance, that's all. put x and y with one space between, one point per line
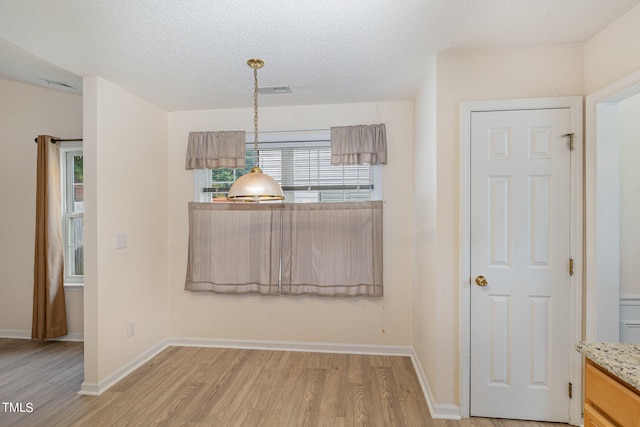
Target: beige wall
125 148
469 76
25 112
612 53
300 319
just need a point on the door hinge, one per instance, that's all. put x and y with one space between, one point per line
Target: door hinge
570 266
570 391
570 135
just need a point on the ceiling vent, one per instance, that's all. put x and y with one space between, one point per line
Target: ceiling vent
271 90
56 83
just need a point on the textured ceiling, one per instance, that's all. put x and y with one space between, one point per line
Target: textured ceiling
191 54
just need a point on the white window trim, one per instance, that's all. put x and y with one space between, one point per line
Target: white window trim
70 283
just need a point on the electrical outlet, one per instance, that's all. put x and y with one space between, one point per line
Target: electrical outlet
131 328
121 241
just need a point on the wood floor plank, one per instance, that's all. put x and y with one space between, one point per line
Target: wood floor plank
315 380
361 405
358 369
334 398
191 386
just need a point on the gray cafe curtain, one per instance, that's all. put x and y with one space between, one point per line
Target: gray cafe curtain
333 249
323 249
234 248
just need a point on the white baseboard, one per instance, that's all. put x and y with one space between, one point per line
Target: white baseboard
437 410
15 334
26 335
71 336
293 346
96 389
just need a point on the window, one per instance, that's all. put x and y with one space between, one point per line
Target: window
301 163
71 160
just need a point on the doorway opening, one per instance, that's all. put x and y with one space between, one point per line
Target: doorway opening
612 297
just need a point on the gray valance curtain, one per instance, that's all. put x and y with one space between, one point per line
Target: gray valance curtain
210 150
325 249
49 308
355 145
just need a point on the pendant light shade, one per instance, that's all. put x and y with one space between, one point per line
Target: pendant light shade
255 186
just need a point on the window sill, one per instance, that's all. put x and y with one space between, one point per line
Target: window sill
74 287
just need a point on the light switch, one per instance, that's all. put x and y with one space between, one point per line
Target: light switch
121 241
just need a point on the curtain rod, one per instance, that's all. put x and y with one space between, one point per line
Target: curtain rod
60 140
291 131
299 130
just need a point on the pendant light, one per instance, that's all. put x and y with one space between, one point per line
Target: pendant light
255 186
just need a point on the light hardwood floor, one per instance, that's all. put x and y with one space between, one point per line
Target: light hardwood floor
190 386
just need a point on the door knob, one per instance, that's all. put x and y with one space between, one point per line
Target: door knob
481 281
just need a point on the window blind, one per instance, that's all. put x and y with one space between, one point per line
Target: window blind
304 171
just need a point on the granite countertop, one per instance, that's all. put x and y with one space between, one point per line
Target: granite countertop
621 360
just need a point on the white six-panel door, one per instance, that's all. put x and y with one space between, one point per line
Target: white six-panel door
520 244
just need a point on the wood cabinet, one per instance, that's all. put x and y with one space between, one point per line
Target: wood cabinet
609 402
593 418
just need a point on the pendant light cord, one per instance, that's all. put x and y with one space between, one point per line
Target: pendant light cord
255 115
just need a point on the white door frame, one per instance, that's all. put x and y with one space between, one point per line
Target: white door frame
574 103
